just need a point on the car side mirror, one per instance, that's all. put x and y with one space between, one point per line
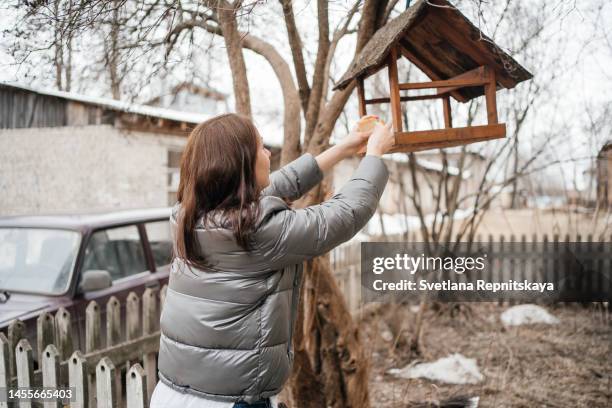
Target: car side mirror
95 279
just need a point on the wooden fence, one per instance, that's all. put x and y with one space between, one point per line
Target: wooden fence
104 375
524 259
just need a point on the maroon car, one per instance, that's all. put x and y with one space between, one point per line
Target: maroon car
50 261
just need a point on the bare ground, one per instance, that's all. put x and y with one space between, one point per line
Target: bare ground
565 365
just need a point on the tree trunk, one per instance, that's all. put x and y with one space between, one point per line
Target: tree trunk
68 65
314 101
58 59
292 110
233 43
295 43
113 53
331 367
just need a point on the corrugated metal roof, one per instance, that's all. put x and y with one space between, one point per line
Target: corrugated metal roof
112 104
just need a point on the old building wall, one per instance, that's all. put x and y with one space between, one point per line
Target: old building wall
83 168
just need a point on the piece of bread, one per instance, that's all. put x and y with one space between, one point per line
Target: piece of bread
367 123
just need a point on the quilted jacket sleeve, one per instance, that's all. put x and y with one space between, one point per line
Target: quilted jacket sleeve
287 236
294 179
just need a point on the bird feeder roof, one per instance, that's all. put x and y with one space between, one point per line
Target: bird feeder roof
436 37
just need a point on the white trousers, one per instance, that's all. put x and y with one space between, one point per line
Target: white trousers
167 397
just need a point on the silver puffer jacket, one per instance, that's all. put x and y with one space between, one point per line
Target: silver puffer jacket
226 332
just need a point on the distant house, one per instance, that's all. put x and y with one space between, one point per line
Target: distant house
188 97
604 176
474 166
396 197
62 151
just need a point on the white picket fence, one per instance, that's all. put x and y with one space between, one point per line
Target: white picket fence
95 375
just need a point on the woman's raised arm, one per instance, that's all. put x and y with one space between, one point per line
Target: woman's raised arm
289 236
296 178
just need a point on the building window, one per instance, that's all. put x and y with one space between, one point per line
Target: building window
174 165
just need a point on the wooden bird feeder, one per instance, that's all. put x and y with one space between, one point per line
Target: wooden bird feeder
460 60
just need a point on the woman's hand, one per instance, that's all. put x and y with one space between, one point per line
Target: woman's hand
355 141
381 140
350 145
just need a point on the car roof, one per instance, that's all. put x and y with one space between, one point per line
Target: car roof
81 221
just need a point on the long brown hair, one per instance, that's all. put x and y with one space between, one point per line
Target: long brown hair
217 174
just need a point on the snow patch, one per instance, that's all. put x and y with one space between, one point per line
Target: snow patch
454 369
527 314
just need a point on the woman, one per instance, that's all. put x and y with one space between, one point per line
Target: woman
232 295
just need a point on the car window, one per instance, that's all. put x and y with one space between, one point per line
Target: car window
37 260
160 239
116 250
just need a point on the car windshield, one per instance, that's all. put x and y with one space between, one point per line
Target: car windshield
37 260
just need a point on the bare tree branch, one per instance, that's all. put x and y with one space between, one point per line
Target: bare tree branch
318 77
295 43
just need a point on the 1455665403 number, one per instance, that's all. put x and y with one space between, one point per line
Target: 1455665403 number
36 394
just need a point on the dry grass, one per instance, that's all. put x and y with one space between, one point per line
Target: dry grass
567 365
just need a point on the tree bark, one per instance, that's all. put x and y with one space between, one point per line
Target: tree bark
113 53
58 59
292 110
331 367
314 102
233 43
295 43
68 65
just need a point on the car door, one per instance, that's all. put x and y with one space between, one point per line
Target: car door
121 251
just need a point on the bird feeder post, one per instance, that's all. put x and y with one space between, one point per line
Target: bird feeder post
446 109
361 97
490 97
394 91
